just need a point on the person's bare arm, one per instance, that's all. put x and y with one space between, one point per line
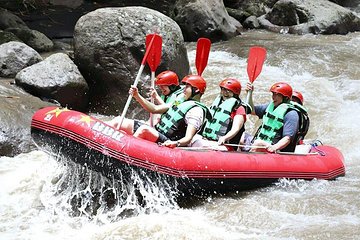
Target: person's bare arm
147 105
279 145
250 87
236 126
190 133
157 99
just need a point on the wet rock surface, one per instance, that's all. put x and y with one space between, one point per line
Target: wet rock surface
17 108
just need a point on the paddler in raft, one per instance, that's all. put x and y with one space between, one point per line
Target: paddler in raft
228 118
171 91
297 100
182 120
281 121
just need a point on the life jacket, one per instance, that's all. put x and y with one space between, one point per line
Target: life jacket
172 123
273 121
221 121
304 121
173 96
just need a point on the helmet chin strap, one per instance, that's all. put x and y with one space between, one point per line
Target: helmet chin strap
194 92
173 88
286 100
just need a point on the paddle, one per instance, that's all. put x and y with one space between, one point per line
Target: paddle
153 60
136 80
255 62
242 145
202 54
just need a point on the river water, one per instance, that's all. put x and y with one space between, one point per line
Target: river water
37 191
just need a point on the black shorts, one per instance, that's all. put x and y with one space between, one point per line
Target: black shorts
162 138
137 124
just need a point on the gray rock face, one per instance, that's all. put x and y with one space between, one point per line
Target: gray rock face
67 3
109 44
306 16
8 37
251 22
33 38
14 56
347 3
205 18
251 7
10 20
56 78
17 108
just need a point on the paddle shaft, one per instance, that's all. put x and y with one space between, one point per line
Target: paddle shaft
201 148
130 96
240 145
141 69
252 79
153 61
152 99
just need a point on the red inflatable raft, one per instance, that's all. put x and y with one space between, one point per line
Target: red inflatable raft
90 142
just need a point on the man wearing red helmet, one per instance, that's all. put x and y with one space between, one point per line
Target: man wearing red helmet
228 117
168 83
182 120
280 120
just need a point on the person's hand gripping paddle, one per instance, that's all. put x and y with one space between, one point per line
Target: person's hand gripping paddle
141 69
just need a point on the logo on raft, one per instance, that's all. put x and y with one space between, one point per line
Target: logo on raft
55 112
107 131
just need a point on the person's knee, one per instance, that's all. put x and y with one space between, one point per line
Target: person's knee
146 133
140 132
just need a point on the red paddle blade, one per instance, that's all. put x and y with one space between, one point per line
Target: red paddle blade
202 54
255 62
154 56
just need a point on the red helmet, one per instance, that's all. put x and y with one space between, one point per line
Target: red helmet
231 84
299 96
167 78
195 81
282 88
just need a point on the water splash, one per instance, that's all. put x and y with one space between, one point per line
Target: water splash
80 192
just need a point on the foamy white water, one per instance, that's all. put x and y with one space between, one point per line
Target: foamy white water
36 190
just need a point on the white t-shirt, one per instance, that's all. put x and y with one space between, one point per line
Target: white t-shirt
195 117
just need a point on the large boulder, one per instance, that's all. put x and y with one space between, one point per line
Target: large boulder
347 3
33 38
10 20
67 3
15 56
8 37
245 11
109 44
307 16
56 78
250 7
205 18
17 108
